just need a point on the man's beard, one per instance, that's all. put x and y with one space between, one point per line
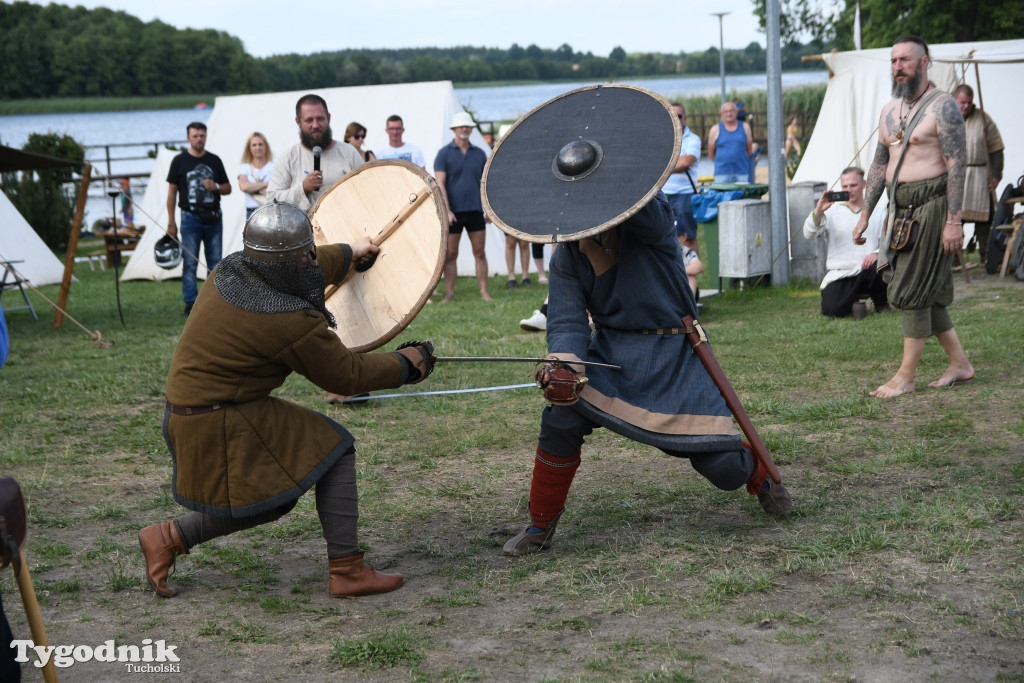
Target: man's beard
310 141
908 88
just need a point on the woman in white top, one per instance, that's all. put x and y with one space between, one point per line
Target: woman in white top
254 173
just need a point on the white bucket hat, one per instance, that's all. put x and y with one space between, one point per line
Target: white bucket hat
462 119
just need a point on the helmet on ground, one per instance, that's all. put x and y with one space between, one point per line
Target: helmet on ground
167 252
277 232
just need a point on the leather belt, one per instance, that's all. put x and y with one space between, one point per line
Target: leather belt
660 330
196 410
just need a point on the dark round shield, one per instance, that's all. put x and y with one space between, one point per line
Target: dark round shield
399 206
581 163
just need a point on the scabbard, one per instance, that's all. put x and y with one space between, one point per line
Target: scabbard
700 344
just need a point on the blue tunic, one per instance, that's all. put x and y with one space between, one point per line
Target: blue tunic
631 278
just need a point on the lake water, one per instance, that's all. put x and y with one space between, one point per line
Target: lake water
504 103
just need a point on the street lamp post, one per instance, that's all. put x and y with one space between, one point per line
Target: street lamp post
721 50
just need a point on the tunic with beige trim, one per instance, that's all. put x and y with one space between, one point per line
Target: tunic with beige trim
632 280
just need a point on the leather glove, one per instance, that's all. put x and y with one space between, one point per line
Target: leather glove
561 384
421 356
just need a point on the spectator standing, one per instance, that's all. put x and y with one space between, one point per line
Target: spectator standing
458 168
397 148
730 144
295 180
196 180
984 167
254 173
355 135
680 187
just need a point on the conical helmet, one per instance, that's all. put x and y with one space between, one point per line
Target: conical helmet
277 232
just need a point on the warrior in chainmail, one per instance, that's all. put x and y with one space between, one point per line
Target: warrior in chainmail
241 456
267 287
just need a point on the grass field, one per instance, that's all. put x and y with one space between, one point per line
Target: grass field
902 562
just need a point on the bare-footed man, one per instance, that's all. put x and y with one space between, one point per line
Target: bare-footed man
926 185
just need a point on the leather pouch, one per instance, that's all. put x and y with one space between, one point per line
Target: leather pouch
904 234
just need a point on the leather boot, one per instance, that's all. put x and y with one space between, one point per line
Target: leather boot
525 543
161 543
774 498
350 577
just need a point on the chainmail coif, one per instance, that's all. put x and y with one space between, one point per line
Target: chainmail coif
272 287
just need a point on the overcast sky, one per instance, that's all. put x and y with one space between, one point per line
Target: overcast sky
269 27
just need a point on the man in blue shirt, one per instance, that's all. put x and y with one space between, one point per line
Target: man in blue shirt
458 168
680 186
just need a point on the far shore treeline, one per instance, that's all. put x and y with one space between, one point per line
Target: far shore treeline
55 51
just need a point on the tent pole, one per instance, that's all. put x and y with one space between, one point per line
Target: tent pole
69 259
977 77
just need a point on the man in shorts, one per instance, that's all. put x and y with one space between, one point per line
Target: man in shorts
458 168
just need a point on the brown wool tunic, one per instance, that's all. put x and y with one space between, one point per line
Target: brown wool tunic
260 452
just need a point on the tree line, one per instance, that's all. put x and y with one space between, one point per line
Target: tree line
59 51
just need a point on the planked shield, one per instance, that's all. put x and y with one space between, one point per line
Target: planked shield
399 206
581 163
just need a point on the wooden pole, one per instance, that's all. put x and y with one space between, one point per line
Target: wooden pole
69 259
35 617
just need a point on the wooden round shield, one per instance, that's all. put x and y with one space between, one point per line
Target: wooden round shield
399 206
581 163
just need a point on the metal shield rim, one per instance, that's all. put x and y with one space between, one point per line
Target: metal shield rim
610 223
439 206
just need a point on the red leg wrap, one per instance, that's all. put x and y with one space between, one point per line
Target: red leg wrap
549 488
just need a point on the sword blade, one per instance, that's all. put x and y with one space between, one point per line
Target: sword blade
516 359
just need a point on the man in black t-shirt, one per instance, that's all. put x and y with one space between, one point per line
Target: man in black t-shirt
196 180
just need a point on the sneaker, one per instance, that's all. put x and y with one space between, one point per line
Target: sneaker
527 282
188 309
538 322
774 499
511 284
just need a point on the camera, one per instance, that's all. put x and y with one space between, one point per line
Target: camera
838 196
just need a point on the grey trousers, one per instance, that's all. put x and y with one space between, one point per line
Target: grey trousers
337 504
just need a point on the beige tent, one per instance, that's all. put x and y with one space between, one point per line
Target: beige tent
19 242
426 108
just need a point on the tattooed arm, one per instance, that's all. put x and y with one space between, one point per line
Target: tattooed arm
875 187
953 143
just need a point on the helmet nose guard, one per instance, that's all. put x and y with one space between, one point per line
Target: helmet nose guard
277 232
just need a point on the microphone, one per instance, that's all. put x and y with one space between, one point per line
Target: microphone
316 158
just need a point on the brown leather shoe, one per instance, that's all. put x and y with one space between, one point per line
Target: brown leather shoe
350 577
161 543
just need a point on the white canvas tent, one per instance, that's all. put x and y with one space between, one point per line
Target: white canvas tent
426 109
19 242
846 132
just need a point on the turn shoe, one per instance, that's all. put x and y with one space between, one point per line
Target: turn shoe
350 576
774 498
161 543
531 540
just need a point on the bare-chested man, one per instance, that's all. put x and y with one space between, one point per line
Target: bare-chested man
930 189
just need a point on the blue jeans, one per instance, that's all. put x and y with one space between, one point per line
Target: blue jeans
194 233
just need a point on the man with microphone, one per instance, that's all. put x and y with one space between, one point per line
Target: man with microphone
313 166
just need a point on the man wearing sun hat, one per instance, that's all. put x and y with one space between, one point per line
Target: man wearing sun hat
458 168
